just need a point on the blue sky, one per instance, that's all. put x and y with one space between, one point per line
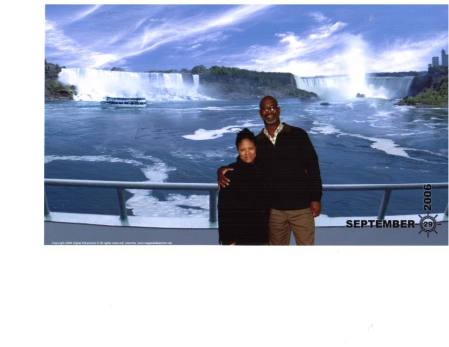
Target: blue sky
307 40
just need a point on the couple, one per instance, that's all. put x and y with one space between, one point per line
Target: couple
273 188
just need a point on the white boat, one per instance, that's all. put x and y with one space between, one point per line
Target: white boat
124 102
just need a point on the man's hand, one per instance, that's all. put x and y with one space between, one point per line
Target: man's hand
223 181
315 207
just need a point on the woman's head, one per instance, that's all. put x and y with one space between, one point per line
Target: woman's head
246 146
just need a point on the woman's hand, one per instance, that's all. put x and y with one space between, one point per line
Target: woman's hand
223 181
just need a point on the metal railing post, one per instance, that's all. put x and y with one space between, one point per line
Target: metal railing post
212 206
46 209
121 201
384 204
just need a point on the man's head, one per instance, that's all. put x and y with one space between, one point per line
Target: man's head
269 110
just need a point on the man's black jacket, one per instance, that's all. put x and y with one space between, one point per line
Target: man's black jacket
290 167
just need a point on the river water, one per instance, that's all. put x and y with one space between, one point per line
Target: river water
358 141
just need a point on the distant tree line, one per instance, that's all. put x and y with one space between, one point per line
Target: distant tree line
432 89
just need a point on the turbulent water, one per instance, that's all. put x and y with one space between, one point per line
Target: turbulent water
358 141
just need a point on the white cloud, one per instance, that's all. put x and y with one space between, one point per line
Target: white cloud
318 17
56 38
295 54
195 46
168 32
234 16
72 51
329 50
83 14
150 38
327 30
202 44
408 55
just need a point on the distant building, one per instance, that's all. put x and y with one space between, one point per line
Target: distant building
435 61
443 58
429 67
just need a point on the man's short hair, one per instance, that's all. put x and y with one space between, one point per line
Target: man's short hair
268 97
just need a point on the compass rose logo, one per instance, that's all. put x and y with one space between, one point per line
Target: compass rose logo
428 224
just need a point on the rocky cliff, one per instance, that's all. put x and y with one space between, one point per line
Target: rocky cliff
429 88
55 90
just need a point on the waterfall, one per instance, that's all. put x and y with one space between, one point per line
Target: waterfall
343 87
394 87
196 81
95 85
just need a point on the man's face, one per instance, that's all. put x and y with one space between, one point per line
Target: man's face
270 112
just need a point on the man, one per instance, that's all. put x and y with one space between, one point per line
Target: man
290 165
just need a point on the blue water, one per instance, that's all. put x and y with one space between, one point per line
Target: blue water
363 141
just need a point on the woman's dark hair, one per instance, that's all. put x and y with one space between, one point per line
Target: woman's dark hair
245 134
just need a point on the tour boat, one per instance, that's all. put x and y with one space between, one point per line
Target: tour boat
124 102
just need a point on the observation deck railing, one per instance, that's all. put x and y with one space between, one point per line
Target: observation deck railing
212 188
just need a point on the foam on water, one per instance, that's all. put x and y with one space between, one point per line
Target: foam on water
413 133
387 146
201 155
91 158
429 152
177 205
157 172
403 108
383 114
203 134
144 204
325 129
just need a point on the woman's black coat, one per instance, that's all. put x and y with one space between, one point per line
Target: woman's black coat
243 207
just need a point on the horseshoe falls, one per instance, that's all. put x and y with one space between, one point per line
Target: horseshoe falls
347 87
95 85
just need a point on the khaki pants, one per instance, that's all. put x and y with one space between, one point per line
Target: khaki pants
283 222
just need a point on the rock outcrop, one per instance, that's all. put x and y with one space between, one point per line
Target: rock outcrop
55 90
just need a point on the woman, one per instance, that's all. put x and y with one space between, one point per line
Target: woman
243 206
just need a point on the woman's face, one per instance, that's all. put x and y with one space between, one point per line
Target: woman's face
247 151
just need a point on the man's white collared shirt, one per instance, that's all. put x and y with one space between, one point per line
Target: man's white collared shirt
275 135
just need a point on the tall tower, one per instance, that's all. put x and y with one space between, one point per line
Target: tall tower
435 62
443 58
